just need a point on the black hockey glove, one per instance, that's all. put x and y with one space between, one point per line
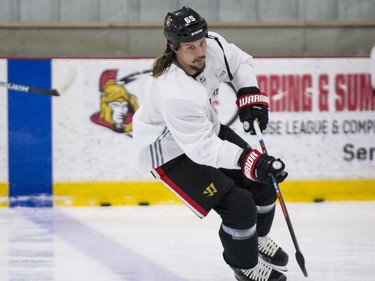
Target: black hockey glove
258 167
252 104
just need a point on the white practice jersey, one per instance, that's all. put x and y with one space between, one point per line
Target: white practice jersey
176 116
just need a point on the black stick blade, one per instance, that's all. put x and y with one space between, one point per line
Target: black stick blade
301 262
52 92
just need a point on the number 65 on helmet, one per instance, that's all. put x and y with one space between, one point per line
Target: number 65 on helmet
184 25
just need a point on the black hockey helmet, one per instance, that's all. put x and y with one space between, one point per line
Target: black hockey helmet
184 25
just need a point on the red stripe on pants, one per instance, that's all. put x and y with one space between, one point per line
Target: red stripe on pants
198 209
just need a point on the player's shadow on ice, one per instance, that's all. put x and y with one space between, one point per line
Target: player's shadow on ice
116 257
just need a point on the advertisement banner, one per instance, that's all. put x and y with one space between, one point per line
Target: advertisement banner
322 117
322 120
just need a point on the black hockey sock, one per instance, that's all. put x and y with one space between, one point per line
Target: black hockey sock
265 220
240 253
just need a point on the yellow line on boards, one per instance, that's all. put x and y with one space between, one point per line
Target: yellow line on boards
145 193
329 190
67 194
112 194
4 194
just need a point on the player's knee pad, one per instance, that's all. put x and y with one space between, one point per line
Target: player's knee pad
237 209
264 195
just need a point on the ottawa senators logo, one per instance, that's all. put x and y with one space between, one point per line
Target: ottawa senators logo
117 105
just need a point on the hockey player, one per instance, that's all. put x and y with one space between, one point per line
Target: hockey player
179 138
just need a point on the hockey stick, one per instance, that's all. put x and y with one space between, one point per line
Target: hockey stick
49 92
132 76
299 257
27 89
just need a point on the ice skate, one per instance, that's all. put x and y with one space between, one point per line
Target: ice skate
261 272
272 254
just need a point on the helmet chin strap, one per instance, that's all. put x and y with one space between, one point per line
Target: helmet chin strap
174 45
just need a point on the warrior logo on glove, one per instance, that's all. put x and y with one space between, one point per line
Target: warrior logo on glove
252 104
252 99
258 167
249 164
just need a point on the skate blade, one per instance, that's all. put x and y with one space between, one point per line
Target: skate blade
276 267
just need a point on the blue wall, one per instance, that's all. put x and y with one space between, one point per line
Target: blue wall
30 134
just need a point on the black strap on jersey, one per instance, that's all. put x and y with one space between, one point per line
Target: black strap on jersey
225 58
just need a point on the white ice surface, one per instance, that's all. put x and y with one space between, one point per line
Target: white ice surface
171 243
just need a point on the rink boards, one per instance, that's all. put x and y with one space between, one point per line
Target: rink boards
76 149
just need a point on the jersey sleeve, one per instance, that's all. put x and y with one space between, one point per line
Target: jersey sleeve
195 134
